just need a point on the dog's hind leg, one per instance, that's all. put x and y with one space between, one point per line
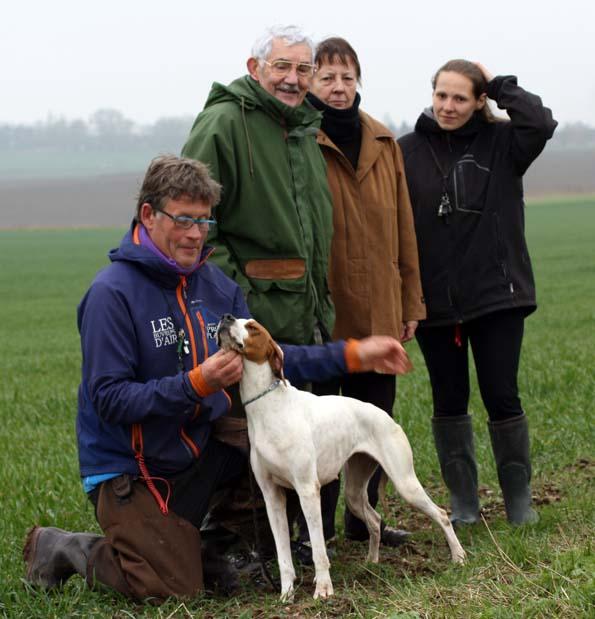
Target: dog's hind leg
397 460
276 501
309 495
358 470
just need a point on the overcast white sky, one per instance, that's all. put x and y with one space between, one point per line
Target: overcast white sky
150 59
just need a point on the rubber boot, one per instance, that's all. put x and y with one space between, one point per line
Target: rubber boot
453 437
510 442
52 555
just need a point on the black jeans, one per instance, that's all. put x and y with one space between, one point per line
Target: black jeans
495 341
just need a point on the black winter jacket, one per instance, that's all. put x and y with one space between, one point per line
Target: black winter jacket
474 260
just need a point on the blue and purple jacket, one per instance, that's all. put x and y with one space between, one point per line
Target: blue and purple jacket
137 407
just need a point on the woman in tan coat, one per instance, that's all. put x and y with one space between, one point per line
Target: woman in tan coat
374 272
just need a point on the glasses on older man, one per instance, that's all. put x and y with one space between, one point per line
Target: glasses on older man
185 222
283 67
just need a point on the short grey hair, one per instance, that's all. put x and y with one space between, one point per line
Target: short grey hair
292 35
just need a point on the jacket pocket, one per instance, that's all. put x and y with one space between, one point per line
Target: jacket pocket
471 185
161 447
276 269
284 306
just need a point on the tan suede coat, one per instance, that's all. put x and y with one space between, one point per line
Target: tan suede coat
374 268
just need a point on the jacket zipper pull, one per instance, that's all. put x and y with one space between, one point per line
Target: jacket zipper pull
183 347
444 208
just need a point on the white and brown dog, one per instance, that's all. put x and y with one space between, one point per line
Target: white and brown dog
301 441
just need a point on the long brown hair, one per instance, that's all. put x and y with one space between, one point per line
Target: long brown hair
472 72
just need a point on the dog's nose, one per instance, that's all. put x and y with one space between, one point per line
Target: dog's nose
227 319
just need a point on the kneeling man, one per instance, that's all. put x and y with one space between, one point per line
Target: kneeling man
153 382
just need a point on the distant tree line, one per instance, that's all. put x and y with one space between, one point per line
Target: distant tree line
105 130
571 135
109 129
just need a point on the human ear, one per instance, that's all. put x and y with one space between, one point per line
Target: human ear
252 65
147 216
481 101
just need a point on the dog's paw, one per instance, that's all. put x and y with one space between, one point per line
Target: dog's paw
373 557
287 594
459 556
324 588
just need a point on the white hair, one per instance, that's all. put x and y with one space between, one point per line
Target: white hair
292 35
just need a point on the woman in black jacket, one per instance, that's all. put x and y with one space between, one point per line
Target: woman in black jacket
464 169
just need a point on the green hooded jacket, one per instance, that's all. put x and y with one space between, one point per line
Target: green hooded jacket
275 220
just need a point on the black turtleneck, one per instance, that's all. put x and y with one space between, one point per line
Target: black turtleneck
343 127
449 145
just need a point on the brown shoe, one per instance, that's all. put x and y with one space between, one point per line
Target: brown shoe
52 555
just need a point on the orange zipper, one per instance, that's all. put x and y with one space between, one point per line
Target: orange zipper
203 332
181 295
191 444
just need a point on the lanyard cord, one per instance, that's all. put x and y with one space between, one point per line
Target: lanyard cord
444 208
183 347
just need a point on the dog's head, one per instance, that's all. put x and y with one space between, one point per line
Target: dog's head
251 340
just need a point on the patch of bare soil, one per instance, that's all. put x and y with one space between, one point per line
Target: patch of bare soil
582 466
106 200
544 492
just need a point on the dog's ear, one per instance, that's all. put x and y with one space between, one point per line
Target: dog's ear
275 357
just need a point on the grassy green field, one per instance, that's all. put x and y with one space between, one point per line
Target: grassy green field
541 571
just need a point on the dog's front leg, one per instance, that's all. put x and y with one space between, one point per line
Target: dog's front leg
275 500
310 502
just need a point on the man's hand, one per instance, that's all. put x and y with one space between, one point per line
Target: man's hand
408 330
222 369
383 354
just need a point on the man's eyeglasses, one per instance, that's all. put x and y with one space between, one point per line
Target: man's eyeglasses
185 222
283 67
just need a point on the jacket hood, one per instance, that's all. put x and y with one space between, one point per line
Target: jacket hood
250 95
426 123
130 250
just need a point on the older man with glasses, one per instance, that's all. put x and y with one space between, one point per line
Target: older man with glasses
274 221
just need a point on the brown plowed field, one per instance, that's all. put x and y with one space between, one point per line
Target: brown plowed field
88 201
109 200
